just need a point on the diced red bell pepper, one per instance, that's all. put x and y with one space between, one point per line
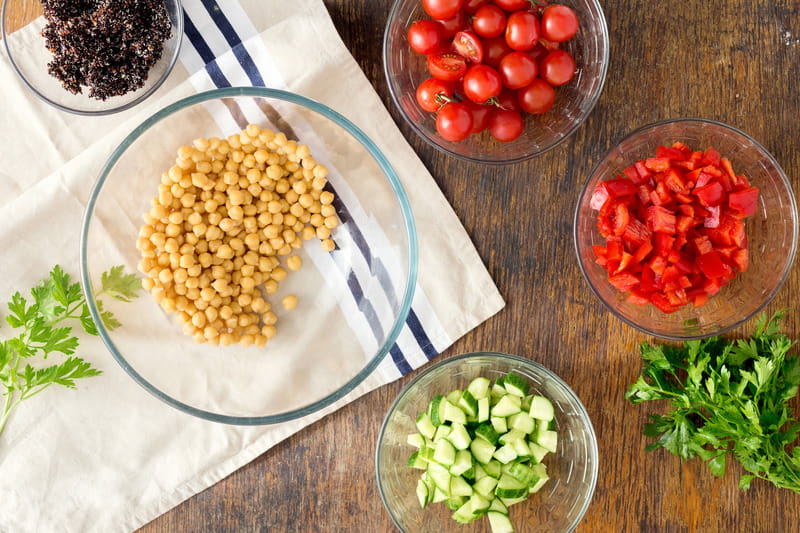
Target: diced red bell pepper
642 251
744 202
636 233
662 303
741 259
710 194
622 218
670 153
637 296
660 219
711 157
657 164
714 265
623 281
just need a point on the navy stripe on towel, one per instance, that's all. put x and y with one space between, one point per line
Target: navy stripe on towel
235 42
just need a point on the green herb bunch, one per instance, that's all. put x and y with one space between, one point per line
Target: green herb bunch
42 330
727 398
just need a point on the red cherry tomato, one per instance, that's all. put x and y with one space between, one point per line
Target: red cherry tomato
513 5
454 121
425 36
537 97
522 30
508 99
505 125
538 51
453 25
434 93
559 23
482 82
442 9
489 21
468 45
517 70
557 67
448 66
494 48
471 6
480 115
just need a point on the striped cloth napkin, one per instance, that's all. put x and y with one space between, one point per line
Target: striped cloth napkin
109 456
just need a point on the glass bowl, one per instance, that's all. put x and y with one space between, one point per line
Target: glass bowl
557 507
405 70
28 55
771 231
352 302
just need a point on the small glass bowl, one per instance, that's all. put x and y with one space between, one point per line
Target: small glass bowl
771 231
405 70
352 302
558 507
28 55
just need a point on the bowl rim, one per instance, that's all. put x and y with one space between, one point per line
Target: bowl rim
584 415
389 173
697 121
177 27
385 51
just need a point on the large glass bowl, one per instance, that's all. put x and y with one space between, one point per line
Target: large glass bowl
352 303
771 231
561 503
405 70
29 57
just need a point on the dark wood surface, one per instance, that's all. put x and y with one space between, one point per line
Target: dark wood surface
731 60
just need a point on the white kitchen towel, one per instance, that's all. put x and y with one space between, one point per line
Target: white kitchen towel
109 456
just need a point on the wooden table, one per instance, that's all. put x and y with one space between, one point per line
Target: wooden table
731 60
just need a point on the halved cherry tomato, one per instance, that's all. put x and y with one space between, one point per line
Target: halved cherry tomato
433 93
454 121
468 45
489 21
522 30
482 82
559 23
442 9
517 70
557 67
448 66
538 97
505 125
425 36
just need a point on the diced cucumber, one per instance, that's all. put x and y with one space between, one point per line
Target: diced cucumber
445 453
497 390
453 396
417 440
483 410
477 470
505 454
423 494
541 408
453 414
436 410
537 452
511 435
442 432
493 468
468 403
499 522
440 477
485 486
479 387
499 423
439 495
415 461
480 504
459 436
523 473
482 449
526 403
507 406
541 472
522 448
516 385
548 440
454 502
522 421
425 425
487 432
498 506
464 514
460 487
508 487
462 463
508 502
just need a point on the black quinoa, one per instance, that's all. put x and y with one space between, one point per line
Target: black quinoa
107 46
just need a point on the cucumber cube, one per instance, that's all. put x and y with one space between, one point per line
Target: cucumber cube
479 387
485 486
417 440
423 494
522 421
547 440
499 522
507 405
445 453
460 487
516 385
453 414
459 436
541 408
505 454
468 403
483 410
425 425
482 450
462 463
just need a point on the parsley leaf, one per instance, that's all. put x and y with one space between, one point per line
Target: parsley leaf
727 399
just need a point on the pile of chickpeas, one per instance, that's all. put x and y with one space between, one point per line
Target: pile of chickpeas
224 216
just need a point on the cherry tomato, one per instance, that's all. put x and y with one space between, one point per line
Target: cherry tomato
505 125
433 93
517 70
489 21
522 30
471 6
557 67
537 97
508 99
425 36
442 9
538 51
454 121
494 48
559 23
448 66
468 45
482 82
453 25
480 115
513 5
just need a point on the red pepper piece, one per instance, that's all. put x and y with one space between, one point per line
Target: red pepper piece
711 194
657 164
744 202
623 281
714 265
660 219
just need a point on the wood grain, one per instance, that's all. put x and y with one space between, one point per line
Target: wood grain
730 60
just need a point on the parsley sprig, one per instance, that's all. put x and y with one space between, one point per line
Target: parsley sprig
728 399
42 331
